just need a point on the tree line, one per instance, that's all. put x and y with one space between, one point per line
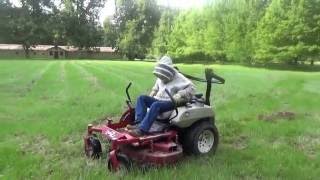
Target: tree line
73 22
236 31
245 31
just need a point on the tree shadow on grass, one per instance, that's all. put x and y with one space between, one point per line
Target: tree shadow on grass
271 66
287 67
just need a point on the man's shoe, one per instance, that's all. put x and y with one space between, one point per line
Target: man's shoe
136 132
132 126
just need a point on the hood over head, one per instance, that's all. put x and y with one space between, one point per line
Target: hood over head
164 69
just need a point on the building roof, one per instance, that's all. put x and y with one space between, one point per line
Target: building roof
41 47
105 49
11 47
47 47
69 48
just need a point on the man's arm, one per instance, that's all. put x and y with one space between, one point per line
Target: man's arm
154 90
184 95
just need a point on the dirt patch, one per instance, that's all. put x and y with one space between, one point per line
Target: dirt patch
309 144
37 145
277 116
241 142
277 142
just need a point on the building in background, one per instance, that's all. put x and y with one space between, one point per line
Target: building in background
57 52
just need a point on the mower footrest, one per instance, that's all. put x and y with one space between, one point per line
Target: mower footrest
165 147
112 134
144 155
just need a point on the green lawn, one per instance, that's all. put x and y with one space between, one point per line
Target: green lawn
269 120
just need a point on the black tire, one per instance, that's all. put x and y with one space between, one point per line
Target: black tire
195 140
94 150
125 164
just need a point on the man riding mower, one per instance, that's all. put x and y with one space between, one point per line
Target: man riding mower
172 120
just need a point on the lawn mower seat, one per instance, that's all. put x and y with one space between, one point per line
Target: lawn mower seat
163 117
158 127
162 122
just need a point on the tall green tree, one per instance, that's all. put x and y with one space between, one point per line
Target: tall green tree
222 30
134 23
110 33
81 26
6 15
29 23
161 40
289 32
308 33
187 36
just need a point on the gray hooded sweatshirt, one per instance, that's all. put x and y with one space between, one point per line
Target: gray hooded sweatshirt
181 88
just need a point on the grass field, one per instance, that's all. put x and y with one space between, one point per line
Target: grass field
269 121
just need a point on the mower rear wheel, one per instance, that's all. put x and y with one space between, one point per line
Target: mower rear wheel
93 149
124 164
201 138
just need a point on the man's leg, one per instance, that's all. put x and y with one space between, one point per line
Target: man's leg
155 109
143 102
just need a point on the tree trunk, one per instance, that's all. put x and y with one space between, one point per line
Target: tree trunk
26 48
130 56
312 62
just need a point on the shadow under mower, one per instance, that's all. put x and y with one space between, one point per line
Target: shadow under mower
190 129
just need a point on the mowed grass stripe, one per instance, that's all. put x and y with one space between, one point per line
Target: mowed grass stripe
141 77
85 103
114 77
14 126
48 85
17 75
36 109
37 75
111 82
89 77
48 100
124 65
16 68
15 105
111 97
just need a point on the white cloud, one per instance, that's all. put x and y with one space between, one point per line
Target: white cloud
16 3
108 10
183 4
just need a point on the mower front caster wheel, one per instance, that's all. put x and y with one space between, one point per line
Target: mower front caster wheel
201 138
124 164
93 147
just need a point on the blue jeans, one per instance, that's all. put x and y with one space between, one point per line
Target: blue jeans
156 107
